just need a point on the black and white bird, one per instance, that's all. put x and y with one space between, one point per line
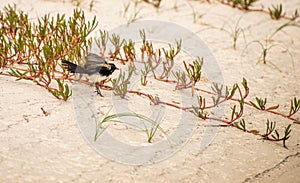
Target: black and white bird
96 69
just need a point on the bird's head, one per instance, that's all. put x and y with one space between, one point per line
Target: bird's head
113 67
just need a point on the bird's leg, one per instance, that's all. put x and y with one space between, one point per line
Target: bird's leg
97 89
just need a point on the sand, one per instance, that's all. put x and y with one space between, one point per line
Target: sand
39 148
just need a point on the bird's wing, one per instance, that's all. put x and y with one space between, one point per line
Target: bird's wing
98 68
95 64
93 61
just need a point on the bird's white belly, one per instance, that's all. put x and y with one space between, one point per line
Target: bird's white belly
96 77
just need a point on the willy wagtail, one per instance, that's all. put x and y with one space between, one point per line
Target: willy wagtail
96 68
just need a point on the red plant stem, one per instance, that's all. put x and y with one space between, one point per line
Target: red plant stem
171 105
233 99
147 95
138 93
153 3
230 123
218 119
166 103
237 100
166 80
273 112
5 74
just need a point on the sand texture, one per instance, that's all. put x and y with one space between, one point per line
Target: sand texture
35 147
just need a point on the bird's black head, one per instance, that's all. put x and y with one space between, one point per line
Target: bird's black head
107 69
113 67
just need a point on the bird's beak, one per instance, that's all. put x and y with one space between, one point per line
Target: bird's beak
117 68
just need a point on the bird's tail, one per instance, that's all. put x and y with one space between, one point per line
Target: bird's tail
73 68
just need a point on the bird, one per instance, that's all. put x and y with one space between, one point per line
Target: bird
96 69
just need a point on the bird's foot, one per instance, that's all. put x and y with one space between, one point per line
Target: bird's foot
98 90
99 93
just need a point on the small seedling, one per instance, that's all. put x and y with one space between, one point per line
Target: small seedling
217 88
295 106
144 74
287 131
265 48
199 112
116 118
237 114
182 80
229 94
120 84
236 32
201 102
276 12
241 125
102 41
63 91
134 16
92 5
175 6
155 100
129 50
273 134
197 16
117 42
295 15
242 4
194 71
261 104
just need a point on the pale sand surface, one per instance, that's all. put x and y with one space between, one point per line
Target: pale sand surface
39 148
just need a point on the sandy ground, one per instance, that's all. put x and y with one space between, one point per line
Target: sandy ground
39 148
